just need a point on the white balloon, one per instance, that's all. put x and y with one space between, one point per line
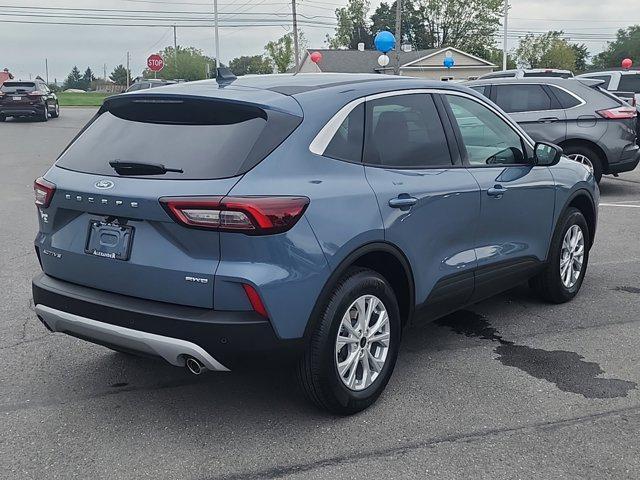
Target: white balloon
383 60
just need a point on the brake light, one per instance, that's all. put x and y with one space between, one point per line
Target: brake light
250 215
256 301
619 113
44 191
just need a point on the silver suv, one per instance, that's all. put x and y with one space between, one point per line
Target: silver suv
593 126
618 81
529 73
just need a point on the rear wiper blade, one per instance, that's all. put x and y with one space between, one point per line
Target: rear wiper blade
139 168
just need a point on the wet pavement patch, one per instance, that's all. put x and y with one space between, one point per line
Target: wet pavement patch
627 289
567 370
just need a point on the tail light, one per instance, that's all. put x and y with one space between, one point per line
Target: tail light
256 301
44 191
35 93
619 113
250 215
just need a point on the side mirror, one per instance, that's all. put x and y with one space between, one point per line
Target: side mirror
547 154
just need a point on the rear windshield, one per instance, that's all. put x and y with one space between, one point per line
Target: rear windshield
204 139
17 87
630 83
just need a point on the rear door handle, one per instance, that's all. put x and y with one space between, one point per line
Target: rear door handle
548 119
497 191
403 201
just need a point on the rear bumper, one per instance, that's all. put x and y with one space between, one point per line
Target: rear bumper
26 111
628 161
220 340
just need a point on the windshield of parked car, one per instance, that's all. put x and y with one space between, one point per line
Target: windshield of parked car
630 83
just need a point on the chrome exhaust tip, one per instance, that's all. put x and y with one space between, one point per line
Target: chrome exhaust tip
195 366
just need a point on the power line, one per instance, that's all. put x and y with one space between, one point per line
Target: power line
54 10
163 25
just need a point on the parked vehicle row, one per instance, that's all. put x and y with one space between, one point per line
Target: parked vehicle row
592 126
310 216
28 99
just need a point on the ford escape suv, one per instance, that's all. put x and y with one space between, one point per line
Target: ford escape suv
307 217
593 126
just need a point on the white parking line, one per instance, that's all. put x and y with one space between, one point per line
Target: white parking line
619 205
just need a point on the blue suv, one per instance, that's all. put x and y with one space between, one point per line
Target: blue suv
304 218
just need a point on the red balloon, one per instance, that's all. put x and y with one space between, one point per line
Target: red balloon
627 63
316 57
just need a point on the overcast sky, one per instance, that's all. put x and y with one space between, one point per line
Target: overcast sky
24 47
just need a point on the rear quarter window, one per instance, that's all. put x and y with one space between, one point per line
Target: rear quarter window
565 98
206 139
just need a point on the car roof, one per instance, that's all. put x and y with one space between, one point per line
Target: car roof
320 93
533 80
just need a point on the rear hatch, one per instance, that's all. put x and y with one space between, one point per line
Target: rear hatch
106 228
18 94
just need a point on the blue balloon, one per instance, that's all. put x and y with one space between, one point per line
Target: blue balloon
385 41
449 62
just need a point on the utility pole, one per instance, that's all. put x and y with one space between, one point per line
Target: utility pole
104 72
396 67
296 52
217 37
46 69
506 30
175 50
128 71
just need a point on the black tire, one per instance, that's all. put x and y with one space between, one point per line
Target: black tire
317 369
45 116
595 159
2 118
56 111
548 284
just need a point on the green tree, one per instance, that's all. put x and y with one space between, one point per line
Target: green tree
191 64
352 26
413 29
119 75
581 52
494 55
626 45
248 65
548 50
87 79
74 79
281 53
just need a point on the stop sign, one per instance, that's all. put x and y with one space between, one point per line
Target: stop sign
155 62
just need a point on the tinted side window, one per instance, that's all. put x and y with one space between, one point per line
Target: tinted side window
346 144
565 98
488 139
630 83
522 98
405 131
481 89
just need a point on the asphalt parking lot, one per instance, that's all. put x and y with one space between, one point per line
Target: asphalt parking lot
510 388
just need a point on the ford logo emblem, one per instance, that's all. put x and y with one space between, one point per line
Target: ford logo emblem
104 184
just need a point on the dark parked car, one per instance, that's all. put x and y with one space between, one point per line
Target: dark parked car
149 83
312 216
592 126
28 99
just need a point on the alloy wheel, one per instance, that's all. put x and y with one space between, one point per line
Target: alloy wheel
572 256
583 159
362 343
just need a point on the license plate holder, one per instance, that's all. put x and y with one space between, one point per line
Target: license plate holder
109 240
